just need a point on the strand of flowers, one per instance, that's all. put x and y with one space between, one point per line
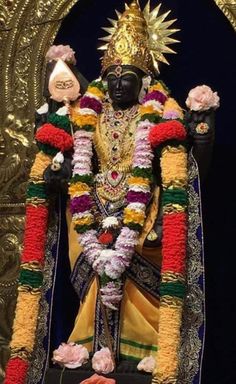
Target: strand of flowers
169 138
111 263
51 138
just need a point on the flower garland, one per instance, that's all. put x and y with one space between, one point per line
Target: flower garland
51 138
169 138
111 263
161 127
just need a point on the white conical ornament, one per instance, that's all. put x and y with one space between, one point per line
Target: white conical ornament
63 85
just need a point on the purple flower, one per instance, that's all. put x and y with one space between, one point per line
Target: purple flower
81 204
138 197
89 102
155 95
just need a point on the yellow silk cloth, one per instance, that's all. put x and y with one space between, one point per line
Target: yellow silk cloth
139 315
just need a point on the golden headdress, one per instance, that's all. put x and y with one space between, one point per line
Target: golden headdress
138 38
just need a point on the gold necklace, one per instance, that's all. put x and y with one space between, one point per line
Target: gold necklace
117 129
114 142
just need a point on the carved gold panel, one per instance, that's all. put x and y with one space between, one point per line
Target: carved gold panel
27 29
229 9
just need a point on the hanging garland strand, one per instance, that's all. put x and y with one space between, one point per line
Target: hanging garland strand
51 138
172 288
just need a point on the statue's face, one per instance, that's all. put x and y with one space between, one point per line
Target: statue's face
124 84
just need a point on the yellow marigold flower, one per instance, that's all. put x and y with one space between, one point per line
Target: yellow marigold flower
96 91
132 216
82 120
174 166
171 105
87 220
25 321
146 109
42 161
138 181
168 342
78 189
158 87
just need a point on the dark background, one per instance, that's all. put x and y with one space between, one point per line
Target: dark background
206 55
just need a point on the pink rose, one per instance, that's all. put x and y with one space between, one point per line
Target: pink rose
63 52
70 355
147 364
202 98
102 361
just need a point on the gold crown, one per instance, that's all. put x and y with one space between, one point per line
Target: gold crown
138 38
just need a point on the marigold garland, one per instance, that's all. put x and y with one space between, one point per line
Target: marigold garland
172 290
50 139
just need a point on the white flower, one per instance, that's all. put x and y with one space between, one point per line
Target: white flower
147 364
43 109
110 221
104 257
70 355
59 158
102 361
87 111
155 104
62 111
137 206
139 188
202 98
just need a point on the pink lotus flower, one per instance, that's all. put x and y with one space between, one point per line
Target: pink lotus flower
202 98
102 361
63 52
70 355
147 364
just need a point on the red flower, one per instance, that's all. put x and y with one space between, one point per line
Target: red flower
56 137
16 371
105 238
35 234
174 242
168 130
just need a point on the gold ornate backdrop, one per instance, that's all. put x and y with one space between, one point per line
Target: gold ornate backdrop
27 29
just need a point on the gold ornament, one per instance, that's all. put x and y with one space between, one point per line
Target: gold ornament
138 38
202 128
152 236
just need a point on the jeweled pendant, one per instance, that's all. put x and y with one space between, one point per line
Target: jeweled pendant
114 177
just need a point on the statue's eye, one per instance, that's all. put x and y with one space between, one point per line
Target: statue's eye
128 77
111 77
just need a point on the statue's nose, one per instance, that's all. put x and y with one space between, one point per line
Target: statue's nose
118 83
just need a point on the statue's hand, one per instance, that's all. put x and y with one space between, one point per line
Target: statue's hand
57 181
201 125
201 133
39 120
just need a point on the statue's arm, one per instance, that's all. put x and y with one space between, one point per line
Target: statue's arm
201 135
